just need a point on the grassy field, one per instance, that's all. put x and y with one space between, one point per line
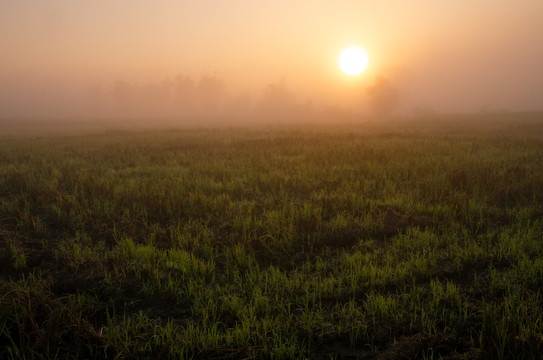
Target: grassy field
355 242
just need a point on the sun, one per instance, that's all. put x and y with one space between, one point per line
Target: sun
353 60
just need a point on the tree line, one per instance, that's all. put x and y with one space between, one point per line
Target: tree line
208 96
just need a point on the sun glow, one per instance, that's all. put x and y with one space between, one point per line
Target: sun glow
353 60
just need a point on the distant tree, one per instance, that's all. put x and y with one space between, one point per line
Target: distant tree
153 99
212 91
277 99
383 97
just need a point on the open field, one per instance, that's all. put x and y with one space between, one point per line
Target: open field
366 241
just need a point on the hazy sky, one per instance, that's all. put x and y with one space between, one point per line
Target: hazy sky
449 55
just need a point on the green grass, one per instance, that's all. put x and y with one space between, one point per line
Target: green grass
367 241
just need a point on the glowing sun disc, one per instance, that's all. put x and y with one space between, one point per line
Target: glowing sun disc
353 60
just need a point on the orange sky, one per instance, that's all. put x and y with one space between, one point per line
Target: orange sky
448 55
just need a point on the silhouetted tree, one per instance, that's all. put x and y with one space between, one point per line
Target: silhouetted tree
383 97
